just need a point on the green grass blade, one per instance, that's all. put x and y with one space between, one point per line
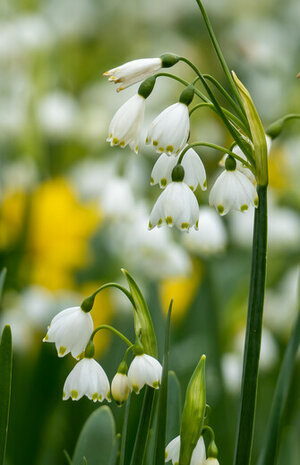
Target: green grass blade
5 387
2 281
174 407
143 428
160 440
124 432
270 449
96 440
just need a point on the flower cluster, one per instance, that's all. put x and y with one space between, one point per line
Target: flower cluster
177 206
72 332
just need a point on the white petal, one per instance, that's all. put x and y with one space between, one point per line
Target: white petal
162 170
194 170
133 71
172 450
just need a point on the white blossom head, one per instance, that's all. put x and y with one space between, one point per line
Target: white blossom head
70 330
87 379
194 171
173 450
120 388
144 369
211 461
232 190
126 124
133 71
177 205
162 170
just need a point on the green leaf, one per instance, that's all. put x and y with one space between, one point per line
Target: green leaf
174 407
5 386
160 440
143 428
257 133
96 440
124 432
269 453
2 280
142 320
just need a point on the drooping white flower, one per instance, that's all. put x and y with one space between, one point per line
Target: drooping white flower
211 461
70 330
211 237
144 369
120 388
240 166
233 191
177 205
87 379
126 124
133 71
162 170
194 171
170 129
173 449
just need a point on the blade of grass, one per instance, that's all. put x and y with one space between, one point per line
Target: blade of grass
269 453
124 432
160 440
5 387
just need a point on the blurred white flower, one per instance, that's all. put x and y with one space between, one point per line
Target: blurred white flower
87 379
58 114
211 236
173 449
232 368
120 388
211 461
177 205
133 71
117 199
232 191
194 171
70 330
144 369
170 129
126 124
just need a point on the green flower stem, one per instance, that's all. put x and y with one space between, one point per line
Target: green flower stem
253 333
230 115
113 330
88 302
216 147
220 55
185 83
233 131
227 97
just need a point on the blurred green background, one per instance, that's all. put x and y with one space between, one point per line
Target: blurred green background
73 211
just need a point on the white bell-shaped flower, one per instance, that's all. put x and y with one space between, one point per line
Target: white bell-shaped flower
232 191
126 124
70 330
133 71
177 205
162 170
194 171
144 369
211 461
211 237
170 129
120 388
87 379
173 450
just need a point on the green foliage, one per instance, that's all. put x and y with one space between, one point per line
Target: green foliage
5 387
96 442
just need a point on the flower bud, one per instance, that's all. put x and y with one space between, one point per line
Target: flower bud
120 388
193 413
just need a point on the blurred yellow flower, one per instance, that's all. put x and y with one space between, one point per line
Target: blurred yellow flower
182 289
58 232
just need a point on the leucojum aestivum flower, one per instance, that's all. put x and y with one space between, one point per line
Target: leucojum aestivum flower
179 172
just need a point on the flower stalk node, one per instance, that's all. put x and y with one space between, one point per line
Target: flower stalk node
168 60
146 87
230 163
187 95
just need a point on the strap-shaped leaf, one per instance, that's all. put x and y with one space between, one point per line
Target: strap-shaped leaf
143 325
97 438
174 407
160 440
2 280
257 133
270 449
5 387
